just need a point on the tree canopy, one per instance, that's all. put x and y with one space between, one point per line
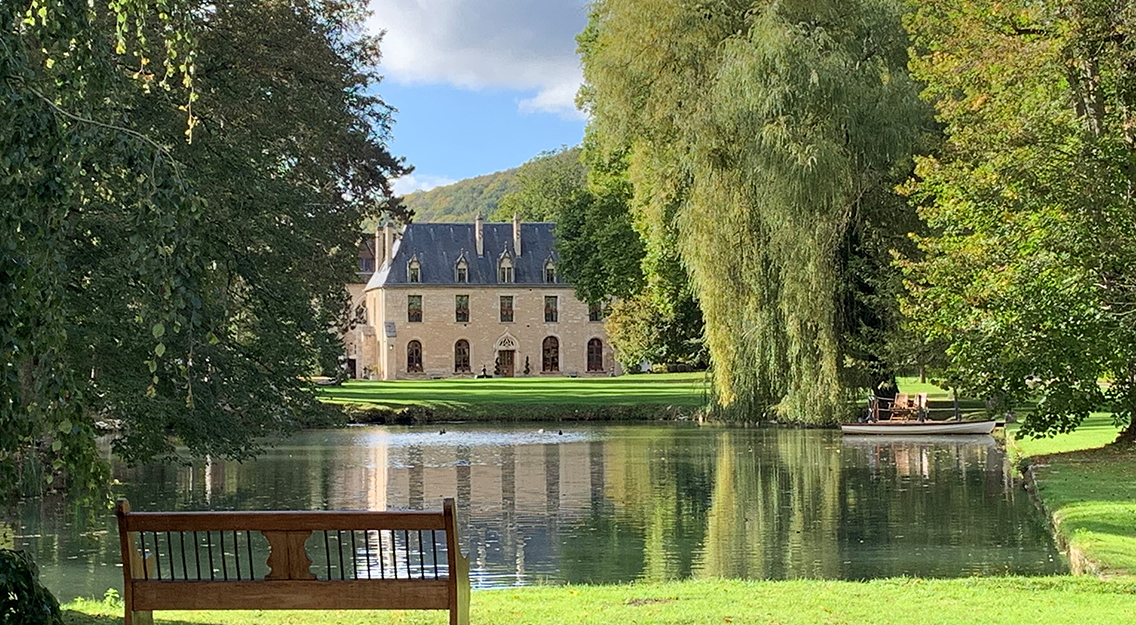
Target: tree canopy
174 283
1029 273
764 142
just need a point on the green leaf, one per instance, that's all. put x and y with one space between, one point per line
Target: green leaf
160 349
159 330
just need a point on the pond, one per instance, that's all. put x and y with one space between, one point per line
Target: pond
602 504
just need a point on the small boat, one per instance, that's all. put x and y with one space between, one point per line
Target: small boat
909 427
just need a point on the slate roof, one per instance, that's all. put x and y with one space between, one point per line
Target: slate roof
438 246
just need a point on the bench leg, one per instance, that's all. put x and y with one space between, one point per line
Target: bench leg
139 618
459 614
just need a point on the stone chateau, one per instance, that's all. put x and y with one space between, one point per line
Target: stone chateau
445 299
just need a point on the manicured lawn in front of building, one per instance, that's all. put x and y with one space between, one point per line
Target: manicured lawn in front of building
666 389
1057 600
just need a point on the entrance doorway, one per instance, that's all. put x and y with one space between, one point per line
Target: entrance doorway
505 363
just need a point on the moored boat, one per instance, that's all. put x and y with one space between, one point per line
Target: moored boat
905 427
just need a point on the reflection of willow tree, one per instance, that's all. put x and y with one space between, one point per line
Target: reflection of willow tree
774 515
652 520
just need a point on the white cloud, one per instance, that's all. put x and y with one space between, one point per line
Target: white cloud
525 45
410 183
559 99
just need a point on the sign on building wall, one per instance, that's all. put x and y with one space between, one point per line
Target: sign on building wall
388 328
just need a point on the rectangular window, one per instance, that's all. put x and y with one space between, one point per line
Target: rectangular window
506 309
461 308
462 274
595 312
414 308
550 309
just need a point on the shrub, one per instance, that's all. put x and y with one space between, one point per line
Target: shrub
23 599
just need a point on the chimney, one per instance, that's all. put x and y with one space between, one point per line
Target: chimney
377 251
388 244
477 223
516 235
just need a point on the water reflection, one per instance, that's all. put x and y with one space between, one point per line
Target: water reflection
614 504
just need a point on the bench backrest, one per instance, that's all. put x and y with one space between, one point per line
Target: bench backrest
319 560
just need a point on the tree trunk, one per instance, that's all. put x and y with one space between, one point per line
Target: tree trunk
1128 434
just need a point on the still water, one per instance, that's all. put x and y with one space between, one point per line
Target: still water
600 504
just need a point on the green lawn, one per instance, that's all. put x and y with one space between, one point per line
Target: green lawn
1097 431
991 601
667 389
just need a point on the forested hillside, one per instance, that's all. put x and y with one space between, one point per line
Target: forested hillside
462 200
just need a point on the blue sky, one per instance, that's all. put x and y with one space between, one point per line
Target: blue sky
480 85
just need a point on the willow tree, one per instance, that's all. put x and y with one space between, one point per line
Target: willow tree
765 139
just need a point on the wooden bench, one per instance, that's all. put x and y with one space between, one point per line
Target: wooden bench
363 560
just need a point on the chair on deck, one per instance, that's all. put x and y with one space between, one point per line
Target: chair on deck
901 406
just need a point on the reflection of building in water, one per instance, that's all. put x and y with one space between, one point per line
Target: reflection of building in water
360 482
508 510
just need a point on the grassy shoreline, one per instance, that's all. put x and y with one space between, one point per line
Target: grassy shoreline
1087 486
648 397
991 600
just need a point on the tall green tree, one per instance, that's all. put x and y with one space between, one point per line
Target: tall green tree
1029 276
181 290
764 137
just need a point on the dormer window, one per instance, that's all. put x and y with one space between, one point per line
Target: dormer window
414 270
549 271
461 271
505 270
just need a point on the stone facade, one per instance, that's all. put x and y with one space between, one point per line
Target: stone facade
460 320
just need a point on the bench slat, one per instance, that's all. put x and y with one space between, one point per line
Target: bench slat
292 595
282 521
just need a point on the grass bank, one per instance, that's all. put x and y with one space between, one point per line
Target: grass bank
991 601
1088 487
648 396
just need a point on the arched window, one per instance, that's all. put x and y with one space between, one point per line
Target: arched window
414 270
461 356
595 355
549 271
505 270
414 357
461 270
551 350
